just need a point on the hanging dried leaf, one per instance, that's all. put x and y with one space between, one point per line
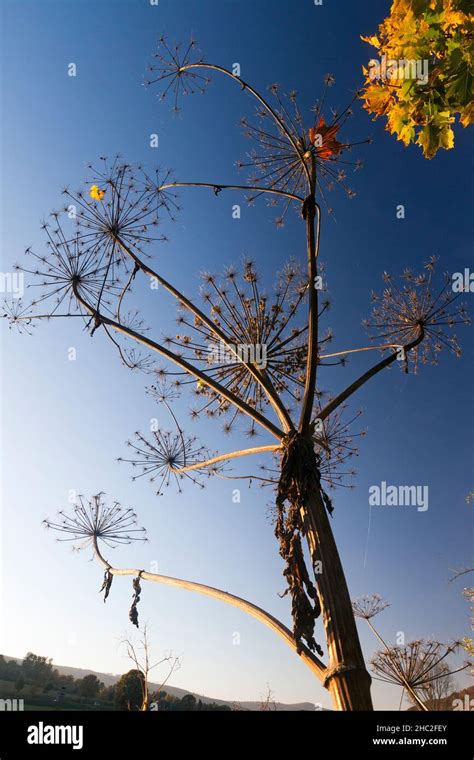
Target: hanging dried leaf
133 614
107 583
299 461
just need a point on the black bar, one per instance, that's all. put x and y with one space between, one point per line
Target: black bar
324 734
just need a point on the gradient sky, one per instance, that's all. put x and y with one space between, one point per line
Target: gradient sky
65 422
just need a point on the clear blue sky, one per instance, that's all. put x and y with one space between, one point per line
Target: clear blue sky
64 423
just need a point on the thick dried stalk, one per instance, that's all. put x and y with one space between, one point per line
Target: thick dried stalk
347 678
310 660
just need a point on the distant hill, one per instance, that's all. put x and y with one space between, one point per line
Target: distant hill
110 678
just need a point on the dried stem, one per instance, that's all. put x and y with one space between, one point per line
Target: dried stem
248 88
366 376
312 239
311 660
221 390
225 457
217 187
257 374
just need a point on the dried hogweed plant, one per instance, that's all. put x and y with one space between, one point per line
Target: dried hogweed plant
417 666
247 352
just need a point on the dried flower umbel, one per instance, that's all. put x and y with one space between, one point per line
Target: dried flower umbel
173 66
129 209
266 330
117 210
287 146
165 458
367 607
335 445
67 269
138 361
415 665
93 520
403 311
18 315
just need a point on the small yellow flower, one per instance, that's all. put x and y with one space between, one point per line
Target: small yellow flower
96 193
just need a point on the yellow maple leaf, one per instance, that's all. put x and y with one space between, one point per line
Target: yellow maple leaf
446 138
372 40
400 123
396 119
428 139
377 99
96 193
406 134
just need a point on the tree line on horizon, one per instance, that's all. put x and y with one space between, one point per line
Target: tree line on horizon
35 678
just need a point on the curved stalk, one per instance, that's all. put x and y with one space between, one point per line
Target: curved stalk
216 186
122 294
119 348
244 477
225 457
262 379
358 350
366 376
262 101
183 364
310 660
